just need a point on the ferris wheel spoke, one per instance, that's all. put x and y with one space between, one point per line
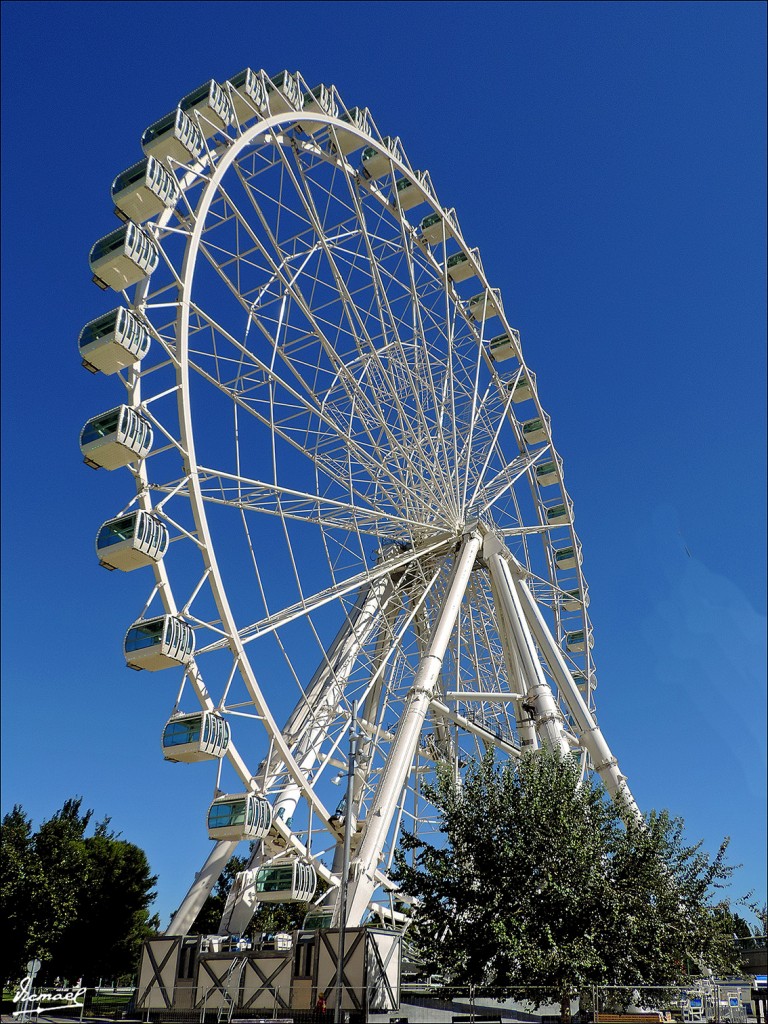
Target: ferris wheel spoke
337 365
259 496
423 316
351 302
502 482
302 608
419 404
352 313
346 442
492 449
377 275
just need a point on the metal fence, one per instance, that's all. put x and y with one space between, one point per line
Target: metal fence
724 1001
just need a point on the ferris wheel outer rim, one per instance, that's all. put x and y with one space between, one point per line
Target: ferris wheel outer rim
264 127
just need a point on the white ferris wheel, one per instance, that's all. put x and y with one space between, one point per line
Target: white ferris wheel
345 487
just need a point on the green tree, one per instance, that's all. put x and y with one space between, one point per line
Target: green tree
20 879
664 921
106 936
544 887
60 854
761 913
77 903
278 917
731 922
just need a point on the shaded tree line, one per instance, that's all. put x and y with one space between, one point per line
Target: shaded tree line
542 887
75 898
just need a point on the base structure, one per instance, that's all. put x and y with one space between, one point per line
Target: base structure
210 977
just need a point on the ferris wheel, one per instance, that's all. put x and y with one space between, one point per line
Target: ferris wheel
343 483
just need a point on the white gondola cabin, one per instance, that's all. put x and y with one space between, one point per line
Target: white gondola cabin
144 190
283 93
484 305
409 194
460 267
435 228
123 257
581 681
113 341
575 641
375 163
557 515
115 438
319 100
571 600
285 883
583 684
131 541
199 736
249 95
534 431
566 558
521 390
505 346
234 817
546 474
317 920
154 644
175 137
346 142
210 107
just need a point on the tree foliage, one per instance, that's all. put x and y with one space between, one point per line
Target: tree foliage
733 923
79 903
544 887
20 879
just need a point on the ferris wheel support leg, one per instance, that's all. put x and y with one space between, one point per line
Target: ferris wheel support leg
200 889
370 704
400 758
306 729
343 652
327 687
590 735
440 725
549 721
526 728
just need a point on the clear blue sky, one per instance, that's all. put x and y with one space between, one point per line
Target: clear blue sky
609 161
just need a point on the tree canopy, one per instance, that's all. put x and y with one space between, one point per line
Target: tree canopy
79 903
544 887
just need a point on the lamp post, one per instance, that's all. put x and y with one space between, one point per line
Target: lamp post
354 738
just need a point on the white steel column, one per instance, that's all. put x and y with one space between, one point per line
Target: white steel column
200 889
398 764
526 729
589 733
305 731
327 687
549 721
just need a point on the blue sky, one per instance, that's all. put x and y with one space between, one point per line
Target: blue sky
609 162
